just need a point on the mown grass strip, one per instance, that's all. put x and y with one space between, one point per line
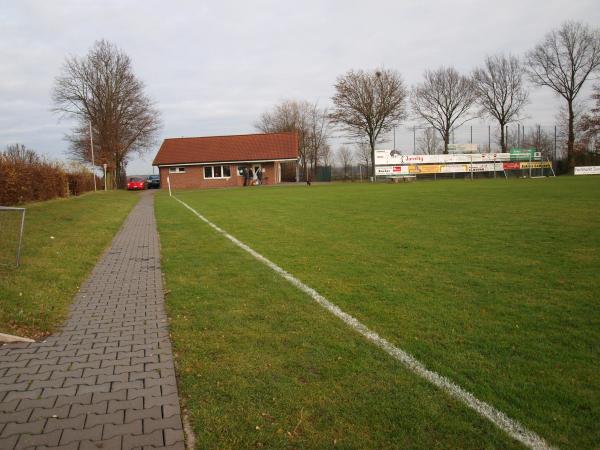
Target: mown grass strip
261 365
498 418
63 240
492 284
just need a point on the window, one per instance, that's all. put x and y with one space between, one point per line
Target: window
176 169
217 172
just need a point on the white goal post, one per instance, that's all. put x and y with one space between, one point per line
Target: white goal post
12 226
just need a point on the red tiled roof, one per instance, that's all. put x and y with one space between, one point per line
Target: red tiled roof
246 147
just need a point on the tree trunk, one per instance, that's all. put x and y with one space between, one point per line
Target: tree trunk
571 140
117 177
372 161
118 168
305 170
446 141
502 138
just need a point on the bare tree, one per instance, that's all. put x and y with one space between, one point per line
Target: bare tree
589 125
367 104
429 143
345 158
101 89
15 153
541 139
500 90
325 155
316 142
362 152
563 61
308 120
578 109
443 100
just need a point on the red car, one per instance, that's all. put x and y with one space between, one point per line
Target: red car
136 183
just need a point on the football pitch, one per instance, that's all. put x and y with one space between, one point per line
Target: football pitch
492 284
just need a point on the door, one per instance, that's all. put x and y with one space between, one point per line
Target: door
255 168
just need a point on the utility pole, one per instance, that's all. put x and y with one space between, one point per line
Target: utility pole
92 147
555 143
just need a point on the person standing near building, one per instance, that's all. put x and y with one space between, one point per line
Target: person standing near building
259 174
250 176
245 174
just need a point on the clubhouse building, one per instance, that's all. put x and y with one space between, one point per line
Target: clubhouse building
219 161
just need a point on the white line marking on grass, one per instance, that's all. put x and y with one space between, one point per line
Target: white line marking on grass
498 418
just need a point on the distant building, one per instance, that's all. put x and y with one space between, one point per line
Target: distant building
218 161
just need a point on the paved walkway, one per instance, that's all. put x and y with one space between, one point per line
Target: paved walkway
107 379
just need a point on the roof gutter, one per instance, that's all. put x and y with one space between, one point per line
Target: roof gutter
212 163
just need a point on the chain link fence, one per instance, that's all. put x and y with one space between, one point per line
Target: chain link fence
550 140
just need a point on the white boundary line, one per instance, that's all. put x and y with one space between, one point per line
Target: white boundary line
498 418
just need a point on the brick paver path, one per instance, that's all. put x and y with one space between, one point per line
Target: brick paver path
107 379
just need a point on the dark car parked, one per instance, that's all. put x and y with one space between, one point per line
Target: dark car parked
153 181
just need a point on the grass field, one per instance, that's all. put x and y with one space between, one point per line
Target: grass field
493 284
63 240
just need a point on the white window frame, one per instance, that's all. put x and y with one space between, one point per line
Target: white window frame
176 169
213 172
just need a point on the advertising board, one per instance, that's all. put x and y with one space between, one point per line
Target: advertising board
391 170
425 168
463 148
524 154
394 157
527 165
416 169
536 165
587 170
462 168
455 168
511 166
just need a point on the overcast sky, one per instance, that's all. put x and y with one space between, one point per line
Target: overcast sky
213 66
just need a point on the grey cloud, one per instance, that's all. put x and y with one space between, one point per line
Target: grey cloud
213 67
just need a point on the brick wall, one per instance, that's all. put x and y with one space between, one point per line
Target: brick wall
193 178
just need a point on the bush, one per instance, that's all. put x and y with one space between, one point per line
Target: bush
27 177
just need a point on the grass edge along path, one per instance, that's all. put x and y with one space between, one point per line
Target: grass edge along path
63 240
498 418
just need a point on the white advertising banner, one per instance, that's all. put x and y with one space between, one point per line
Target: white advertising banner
463 148
587 170
394 157
391 170
416 169
483 167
